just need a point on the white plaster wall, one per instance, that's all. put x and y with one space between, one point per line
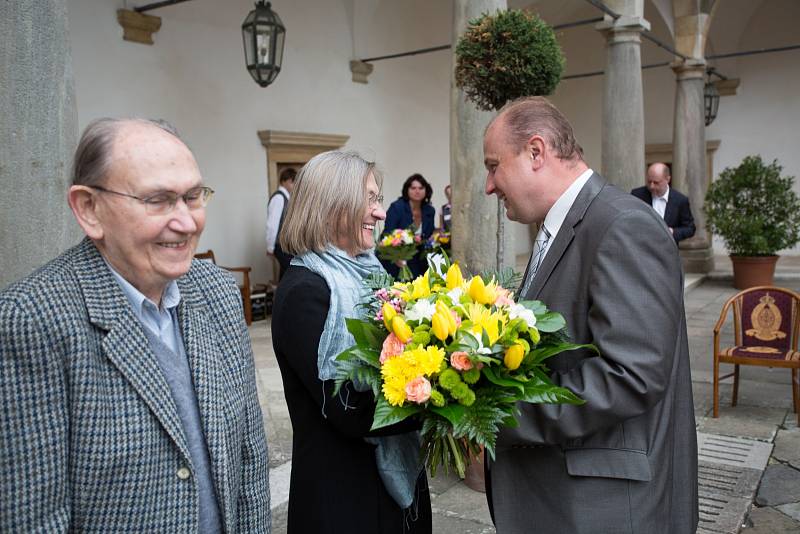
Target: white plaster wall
194 76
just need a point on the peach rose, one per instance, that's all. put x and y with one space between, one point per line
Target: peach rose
418 390
459 360
503 297
392 346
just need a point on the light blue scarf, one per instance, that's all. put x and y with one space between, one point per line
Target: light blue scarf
397 457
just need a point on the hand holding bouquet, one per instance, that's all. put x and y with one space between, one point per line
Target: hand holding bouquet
457 353
399 246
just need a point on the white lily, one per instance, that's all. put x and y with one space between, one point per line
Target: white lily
437 261
422 309
518 311
455 294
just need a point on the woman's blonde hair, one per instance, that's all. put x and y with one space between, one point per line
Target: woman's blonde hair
329 200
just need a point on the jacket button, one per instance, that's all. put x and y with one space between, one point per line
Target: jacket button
184 473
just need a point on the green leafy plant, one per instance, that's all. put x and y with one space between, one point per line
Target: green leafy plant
507 55
754 209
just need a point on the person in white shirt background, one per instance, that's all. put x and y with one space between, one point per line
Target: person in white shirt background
276 209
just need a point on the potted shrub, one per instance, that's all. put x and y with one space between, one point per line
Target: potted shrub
507 55
757 213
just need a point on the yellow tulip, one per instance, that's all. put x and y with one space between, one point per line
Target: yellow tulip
388 314
401 329
513 356
480 292
439 326
454 278
447 316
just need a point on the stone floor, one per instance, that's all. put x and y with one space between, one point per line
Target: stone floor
762 418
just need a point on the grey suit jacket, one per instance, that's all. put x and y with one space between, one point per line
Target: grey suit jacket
90 438
626 461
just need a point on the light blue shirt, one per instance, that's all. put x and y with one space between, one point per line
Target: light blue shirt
163 321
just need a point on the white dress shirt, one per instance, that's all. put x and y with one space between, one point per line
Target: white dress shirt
660 203
274 210
555 217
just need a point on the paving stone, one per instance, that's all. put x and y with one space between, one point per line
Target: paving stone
470 505
280 516
745 421
770 521
442 482
447 523
787 446
791 509
779 485
733 451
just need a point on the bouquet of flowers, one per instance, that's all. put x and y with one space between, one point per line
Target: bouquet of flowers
399 245
457 353
438 242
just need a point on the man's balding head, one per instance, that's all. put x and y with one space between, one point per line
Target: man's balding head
658 179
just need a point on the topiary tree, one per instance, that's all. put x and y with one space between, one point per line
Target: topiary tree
505 56
754 209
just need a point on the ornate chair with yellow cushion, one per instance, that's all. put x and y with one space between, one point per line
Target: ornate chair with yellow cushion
766 324
244 287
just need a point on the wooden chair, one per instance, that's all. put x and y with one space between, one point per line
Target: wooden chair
766 324
244 287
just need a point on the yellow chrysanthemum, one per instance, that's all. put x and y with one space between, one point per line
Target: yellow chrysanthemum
400 370
483 319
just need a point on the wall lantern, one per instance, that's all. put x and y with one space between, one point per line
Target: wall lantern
263 34
711 97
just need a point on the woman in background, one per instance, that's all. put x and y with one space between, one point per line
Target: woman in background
412 209
344 478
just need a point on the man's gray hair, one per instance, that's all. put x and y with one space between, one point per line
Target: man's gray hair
535 115
93 156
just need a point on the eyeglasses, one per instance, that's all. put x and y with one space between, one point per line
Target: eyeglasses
375 200
164 202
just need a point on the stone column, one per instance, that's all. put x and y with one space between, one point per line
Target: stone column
623 103
689 166
477 241
689 160
38 134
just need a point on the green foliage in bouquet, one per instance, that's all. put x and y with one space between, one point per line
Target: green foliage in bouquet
459 354
507 55
754 209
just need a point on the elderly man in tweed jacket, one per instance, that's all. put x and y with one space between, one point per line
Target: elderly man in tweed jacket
128 399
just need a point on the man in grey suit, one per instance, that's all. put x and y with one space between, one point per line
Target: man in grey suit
128 386
626 460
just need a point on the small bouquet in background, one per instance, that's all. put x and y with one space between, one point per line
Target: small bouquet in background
400 245
457 353
438 242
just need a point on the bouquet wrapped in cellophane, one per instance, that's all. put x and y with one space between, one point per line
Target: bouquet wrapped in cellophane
457 353
399 245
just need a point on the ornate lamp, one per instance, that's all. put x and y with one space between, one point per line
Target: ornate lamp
711 98
263 34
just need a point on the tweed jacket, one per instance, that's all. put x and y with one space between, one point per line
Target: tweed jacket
90 437
625 462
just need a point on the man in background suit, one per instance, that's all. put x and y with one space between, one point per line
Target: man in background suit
128 387
671 204
625 462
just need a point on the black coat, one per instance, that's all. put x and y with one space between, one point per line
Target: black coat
678 215
335 486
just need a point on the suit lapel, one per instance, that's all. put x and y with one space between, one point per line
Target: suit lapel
204 353
125 344
669 208
566 233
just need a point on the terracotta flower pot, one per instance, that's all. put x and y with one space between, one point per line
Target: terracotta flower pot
751 271
473 475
